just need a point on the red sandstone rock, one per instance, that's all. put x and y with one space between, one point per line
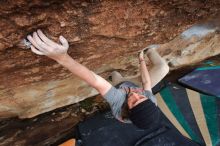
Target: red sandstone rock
103 35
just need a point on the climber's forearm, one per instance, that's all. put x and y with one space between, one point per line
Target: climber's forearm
145 77
77 69
85 74
42 45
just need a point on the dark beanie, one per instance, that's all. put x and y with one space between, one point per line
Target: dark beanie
145 115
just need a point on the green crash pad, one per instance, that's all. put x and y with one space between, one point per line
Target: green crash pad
195 115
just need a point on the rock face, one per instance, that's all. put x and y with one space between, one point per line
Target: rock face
103 35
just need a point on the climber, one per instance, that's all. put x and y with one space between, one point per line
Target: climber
129 103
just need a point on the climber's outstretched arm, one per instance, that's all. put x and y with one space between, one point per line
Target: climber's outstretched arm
41 45
145 77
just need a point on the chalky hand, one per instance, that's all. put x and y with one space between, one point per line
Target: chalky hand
42 45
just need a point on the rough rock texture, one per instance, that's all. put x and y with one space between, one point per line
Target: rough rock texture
51 128
103 35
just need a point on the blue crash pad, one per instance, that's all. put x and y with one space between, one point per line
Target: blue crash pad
204 79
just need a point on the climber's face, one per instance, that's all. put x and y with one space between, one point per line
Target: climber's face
134 99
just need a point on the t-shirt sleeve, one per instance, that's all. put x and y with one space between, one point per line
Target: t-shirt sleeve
115 98
150 95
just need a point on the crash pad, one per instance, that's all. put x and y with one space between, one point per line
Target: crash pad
104 130
187 118
195 115
204 79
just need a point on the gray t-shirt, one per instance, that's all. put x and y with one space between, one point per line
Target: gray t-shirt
116 97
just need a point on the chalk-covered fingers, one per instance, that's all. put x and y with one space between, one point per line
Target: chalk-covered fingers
35 45
33 49
42 45
64 43
46 40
